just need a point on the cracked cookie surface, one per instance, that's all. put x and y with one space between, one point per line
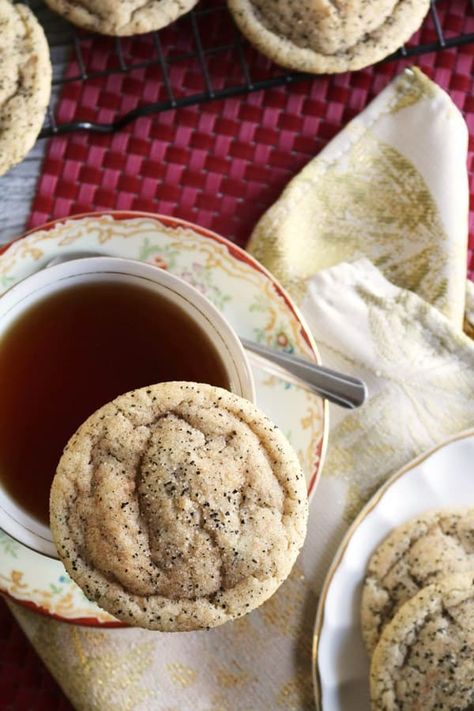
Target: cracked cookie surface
414 555
25 82
326 36
425 657
121 17
178 506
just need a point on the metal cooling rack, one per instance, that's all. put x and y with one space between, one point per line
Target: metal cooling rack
193 41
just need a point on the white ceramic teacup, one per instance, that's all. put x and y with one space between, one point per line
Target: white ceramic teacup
17 522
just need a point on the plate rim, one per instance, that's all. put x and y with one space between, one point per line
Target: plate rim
236 252
336 561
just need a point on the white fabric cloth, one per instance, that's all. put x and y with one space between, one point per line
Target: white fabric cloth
392 186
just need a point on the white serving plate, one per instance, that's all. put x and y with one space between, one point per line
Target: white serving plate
442 477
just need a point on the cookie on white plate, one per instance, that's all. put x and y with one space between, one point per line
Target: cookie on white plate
25 82
178 506
323 36
424 660
121 17
421 551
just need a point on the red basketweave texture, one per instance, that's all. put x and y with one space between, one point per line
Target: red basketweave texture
220 164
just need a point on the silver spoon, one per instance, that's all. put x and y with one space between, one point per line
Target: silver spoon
343 390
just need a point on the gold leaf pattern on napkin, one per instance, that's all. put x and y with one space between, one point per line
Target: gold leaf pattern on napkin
231 678
97 674
296 694
375 203
411 87
469 312
181 674
364 196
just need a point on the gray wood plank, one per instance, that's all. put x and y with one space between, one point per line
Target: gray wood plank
17 189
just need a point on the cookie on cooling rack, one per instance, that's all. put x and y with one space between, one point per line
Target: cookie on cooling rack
419 552
25 82
323 36
124 17
179 506
425 656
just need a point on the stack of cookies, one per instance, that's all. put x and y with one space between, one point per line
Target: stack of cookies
417 614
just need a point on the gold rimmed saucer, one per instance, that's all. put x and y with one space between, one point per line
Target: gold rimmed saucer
248 296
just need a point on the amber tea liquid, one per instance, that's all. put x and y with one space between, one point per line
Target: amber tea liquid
71 353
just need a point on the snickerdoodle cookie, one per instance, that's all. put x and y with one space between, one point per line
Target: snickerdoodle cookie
121 17
25 81
424 659
416 554
178 506
325 36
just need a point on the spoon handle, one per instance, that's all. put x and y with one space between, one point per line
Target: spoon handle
343 390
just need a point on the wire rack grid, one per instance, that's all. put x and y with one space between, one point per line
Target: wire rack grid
201 57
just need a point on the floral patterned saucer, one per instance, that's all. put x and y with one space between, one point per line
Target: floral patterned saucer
240 287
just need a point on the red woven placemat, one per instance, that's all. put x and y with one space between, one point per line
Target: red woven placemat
223 163
220 164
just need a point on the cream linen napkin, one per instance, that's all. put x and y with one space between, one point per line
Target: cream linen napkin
391 187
